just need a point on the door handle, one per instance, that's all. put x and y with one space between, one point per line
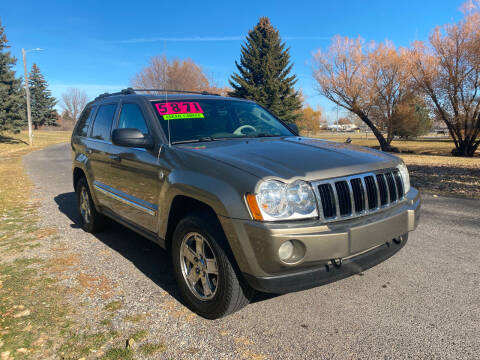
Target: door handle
116 158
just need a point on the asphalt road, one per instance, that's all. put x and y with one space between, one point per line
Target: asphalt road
422 303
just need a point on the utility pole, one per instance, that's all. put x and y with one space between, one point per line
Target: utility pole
27 92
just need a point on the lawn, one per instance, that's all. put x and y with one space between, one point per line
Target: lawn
36 321
441 146
11 143
432 168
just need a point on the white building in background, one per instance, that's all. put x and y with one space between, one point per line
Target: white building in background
346 127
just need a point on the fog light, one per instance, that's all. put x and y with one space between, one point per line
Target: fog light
285 251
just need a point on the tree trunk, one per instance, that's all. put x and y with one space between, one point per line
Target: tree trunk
35 126
381 140
465 148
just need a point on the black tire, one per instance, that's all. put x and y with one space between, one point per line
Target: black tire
95 221
232 293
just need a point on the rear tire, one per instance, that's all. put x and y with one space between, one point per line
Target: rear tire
90 219
208 281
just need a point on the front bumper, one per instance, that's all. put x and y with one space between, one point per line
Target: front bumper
328 273
359 243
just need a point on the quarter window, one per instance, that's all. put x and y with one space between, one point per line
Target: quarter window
84 121
131 117
103 122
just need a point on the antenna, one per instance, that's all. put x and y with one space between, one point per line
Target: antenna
166 92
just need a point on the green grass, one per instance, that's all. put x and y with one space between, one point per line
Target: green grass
150 349
139 335
118 354
113 305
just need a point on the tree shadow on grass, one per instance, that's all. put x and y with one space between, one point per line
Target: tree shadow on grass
152 260
11 140
446 180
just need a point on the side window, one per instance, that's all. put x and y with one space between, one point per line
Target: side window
84 121
131 117
103 122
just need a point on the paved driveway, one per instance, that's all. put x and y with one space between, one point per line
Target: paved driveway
422 303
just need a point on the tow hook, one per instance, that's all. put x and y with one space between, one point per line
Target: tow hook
336 262
398 240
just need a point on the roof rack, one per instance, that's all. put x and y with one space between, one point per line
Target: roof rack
173 91
129 91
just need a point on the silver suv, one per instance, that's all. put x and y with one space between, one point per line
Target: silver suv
239 199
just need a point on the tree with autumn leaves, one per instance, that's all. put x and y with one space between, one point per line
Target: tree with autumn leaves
391 89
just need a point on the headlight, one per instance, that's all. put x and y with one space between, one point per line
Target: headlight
275 200
405 176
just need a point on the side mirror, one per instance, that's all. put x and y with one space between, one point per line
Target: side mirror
293 127
132 138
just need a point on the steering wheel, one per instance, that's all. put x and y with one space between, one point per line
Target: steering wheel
239 130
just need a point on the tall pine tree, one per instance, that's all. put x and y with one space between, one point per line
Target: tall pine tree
11 94
264 73
42 101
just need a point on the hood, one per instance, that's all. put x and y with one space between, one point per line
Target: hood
291 158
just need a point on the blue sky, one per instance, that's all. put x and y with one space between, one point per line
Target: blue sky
99 45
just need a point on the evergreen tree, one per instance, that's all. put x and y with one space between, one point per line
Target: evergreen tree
264 73
42 101
11 94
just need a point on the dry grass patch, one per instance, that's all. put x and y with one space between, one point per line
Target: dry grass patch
13 143
441 146
95 285
442 175
63 263
35 317
431 167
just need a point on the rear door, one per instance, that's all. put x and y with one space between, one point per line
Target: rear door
134 178
98 149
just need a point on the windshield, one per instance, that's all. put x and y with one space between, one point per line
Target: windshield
207 120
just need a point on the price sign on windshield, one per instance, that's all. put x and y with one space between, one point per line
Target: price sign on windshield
179 110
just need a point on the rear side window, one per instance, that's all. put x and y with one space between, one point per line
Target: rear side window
103 122
84 121
131 117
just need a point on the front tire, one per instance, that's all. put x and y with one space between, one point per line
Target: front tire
205 275
90 220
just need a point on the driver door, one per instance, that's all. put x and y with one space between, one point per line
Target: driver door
134 173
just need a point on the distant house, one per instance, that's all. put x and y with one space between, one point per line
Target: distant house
346 127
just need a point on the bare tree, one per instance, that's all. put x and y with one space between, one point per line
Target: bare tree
176 74
447 71
72 104
368 80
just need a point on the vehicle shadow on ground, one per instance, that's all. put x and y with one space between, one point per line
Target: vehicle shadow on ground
148 257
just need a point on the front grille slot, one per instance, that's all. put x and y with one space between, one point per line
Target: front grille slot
344 202
392 188
358 194
372 194
328 201
399 182
382 187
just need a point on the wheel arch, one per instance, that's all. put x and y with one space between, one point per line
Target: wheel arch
78 173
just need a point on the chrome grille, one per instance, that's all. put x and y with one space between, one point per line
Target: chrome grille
357 195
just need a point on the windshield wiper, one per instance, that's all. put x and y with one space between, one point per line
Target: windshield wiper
266 135
201 139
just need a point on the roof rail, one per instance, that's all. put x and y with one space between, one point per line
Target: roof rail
173 91
127 91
